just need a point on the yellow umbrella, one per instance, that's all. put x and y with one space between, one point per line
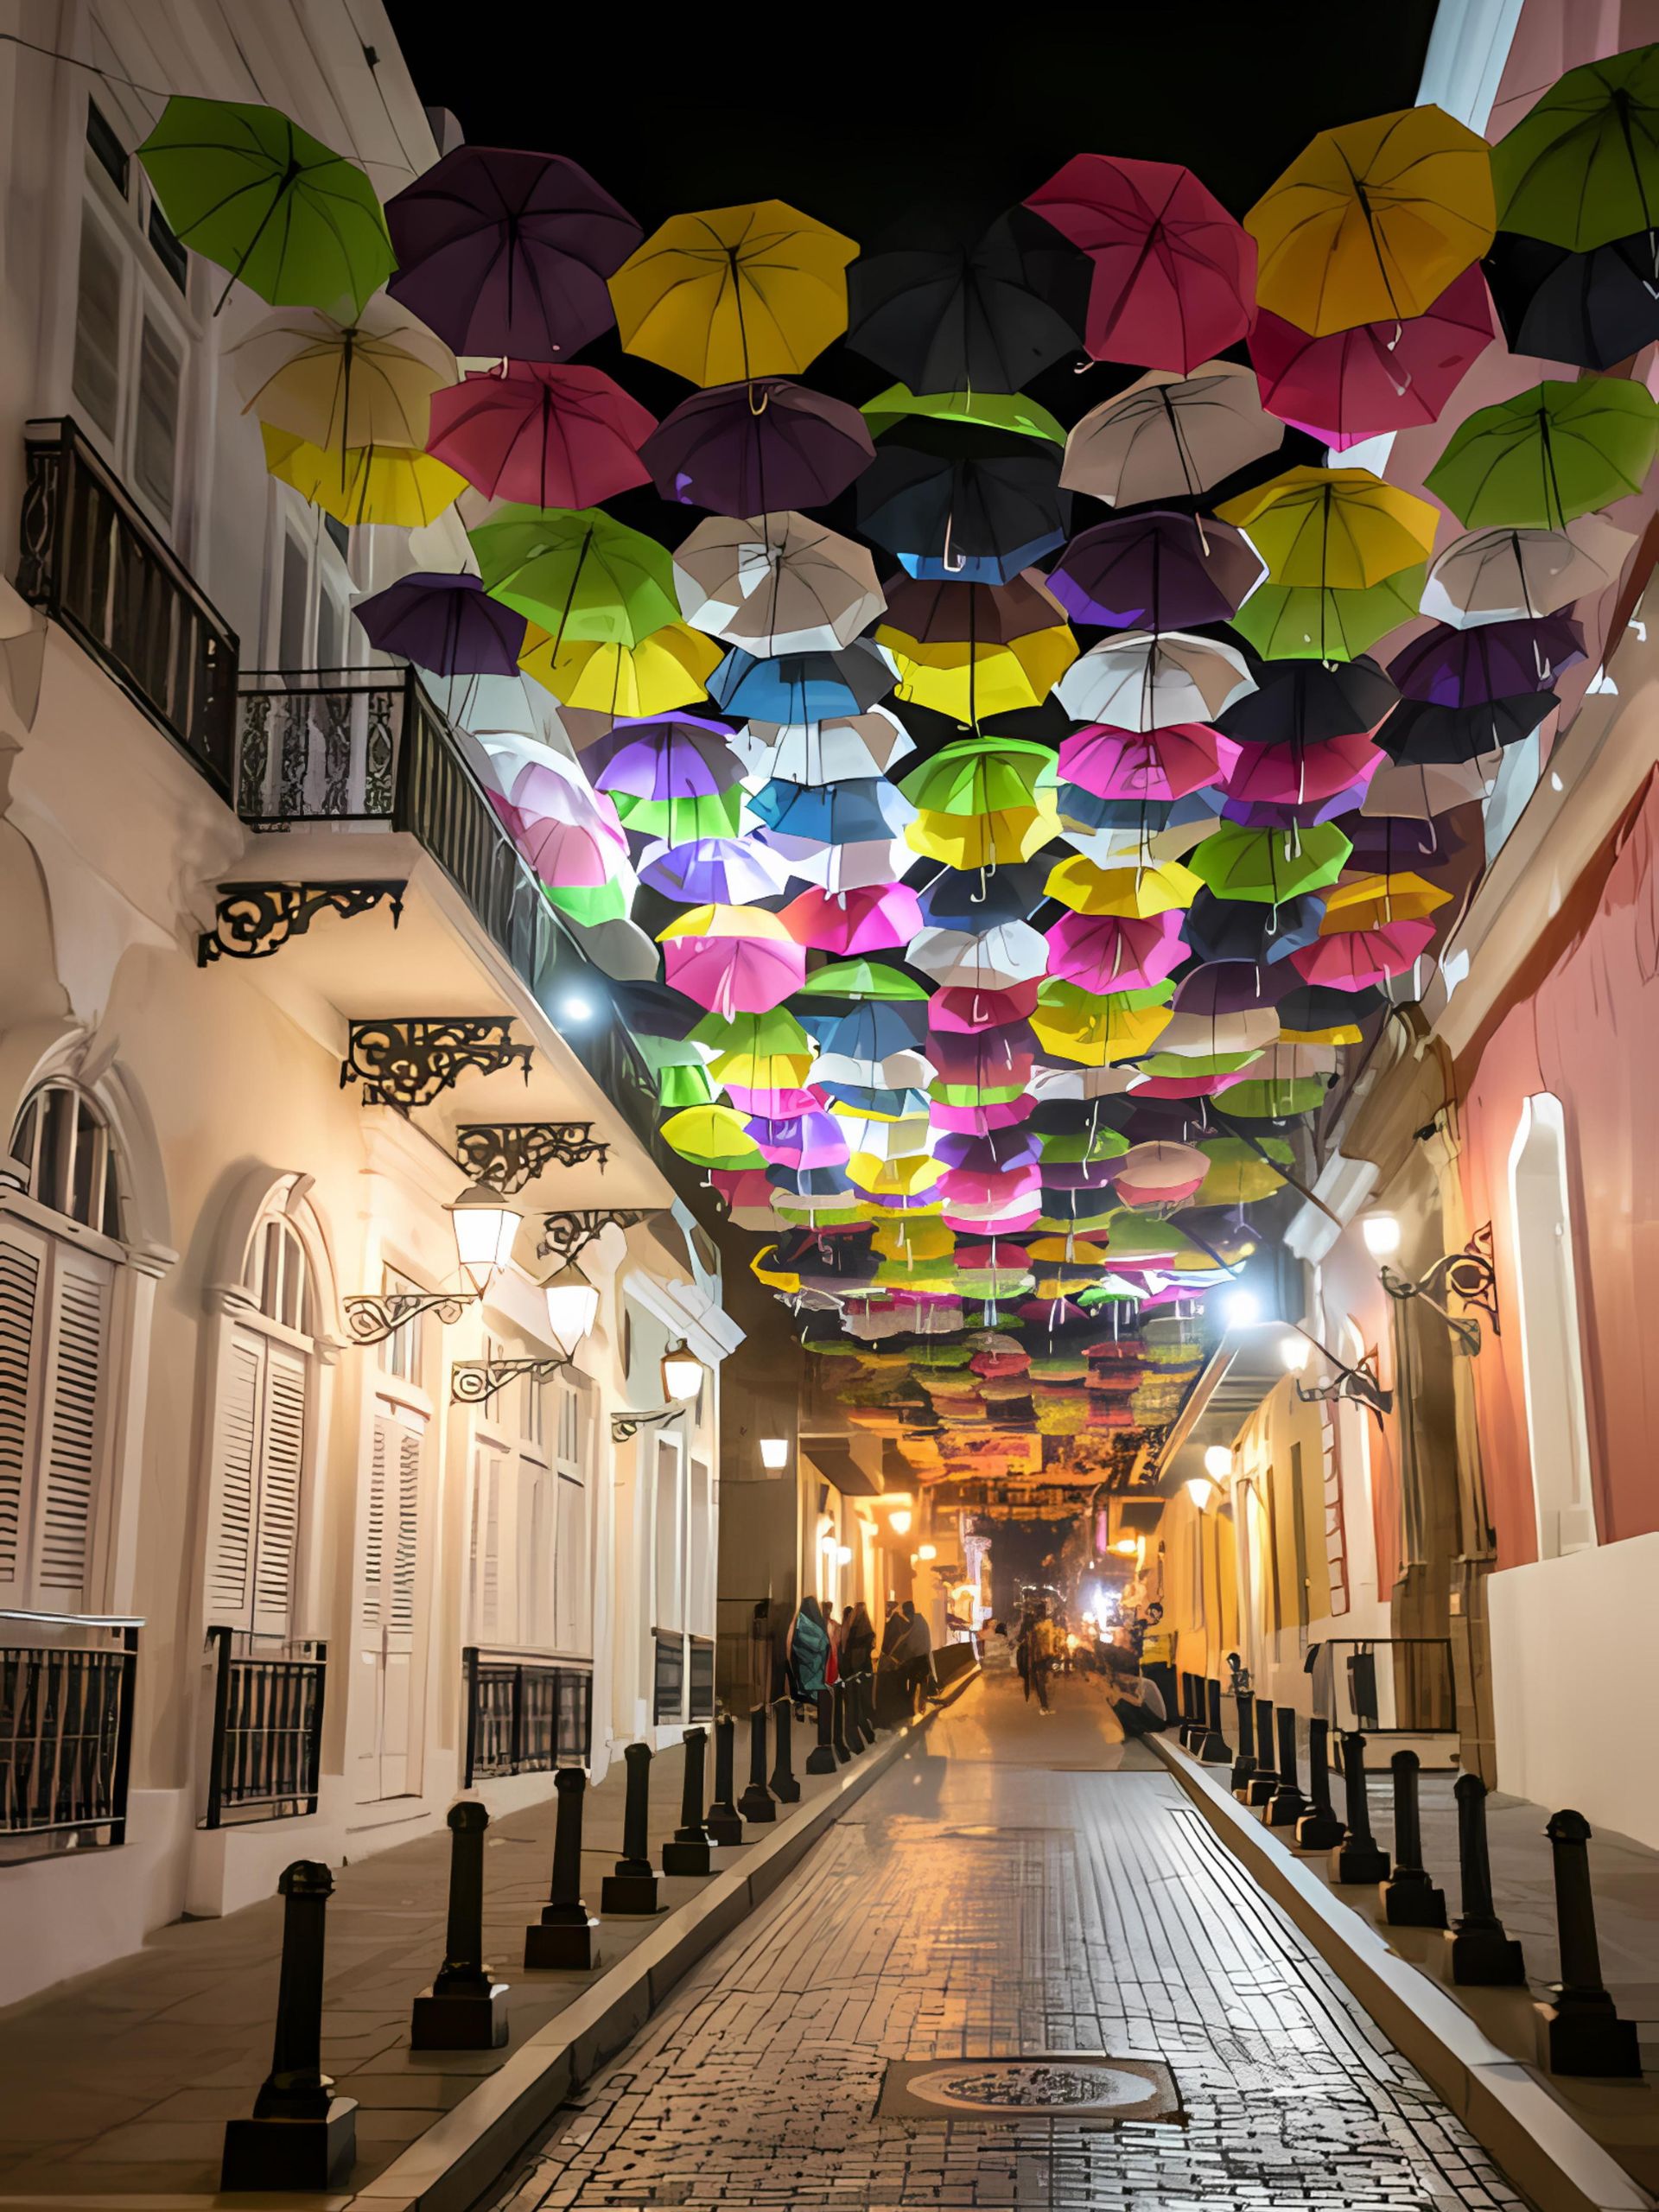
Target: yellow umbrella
735 292
1346 1032
910 1239
1140 893
894 1178
714 1136
969 681
1076 1249
969 840
1368 902
779 1278
1335 529
339 385
753 923
364 484
669 668
1080 1025
1372 221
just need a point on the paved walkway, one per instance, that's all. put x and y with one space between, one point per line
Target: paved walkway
1022 1888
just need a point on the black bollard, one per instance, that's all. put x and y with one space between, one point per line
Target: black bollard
1191 1726
1287 1804
1410 1899
1318 1830
300 2136
1215 1748
820 1759
863 1708
781 1782
724 1824
757 1802
1479 1953
1265 1780
466 2008
1581 2032
1244 1764
688 1851
1359 1857
567 1935
631 1891
838 1710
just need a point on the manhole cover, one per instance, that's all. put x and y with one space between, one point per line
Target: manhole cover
1053 2086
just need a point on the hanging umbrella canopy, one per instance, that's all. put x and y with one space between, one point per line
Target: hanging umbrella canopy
969 650
1237 1174
1267 866
735 292
582 575
1087 888
1226 987
1548 454
969 1010
1349 960
962 502
1379 376
795 688
448 624
1157 764
658 759
667 669
541 433
289 218
1299 776
1372 221
1303 703
1159 1175
1363 901
863 979
1291 621
1496 660
1115 952
1335 529
776 583
733 959
874 920
1173 272
1141 681
506 252
1581 167
978 776
950 312
1421 736
753 447
395 485
1013 954
1594 309
1094 1029
1169 435
860 810
713 871
712 1136
829 752
1494 575
343 386
1155 570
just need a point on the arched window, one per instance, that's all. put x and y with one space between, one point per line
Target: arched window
1550 1351
59 1252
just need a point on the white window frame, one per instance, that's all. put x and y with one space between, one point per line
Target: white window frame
327 576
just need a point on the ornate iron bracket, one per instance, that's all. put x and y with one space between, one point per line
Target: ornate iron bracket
253 920
371 1320
624 1425
569 1234
408 1063
1359 1385
474 1382
508 1154
1468 1275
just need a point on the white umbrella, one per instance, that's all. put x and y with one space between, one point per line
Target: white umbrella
903 1071
1197 1036
1411 792
370 385
823 753
1168 436
958 960
1068 1081
1497 576
840 868
1148 680
776 584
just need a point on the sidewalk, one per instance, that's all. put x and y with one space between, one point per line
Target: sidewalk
118 2084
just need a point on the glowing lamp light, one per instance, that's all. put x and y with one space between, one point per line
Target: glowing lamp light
1127 1546
1070 1642
1217 1463
1242 1308
1295 1351
572 1309
1200 1490
927 1551
774 1452
485 1226
1089 1619
899 1524
681 1373
573 1006
844 1554
1382 1235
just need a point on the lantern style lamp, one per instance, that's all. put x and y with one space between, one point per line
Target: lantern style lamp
682 1372
485 1226
774 1453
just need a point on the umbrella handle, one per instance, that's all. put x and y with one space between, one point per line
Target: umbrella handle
765 402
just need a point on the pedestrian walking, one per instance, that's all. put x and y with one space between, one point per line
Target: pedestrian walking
1022 1650
996 1649
857 1640
915 1653
810 1651
1045 1647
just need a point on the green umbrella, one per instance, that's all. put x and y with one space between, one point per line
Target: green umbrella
988 411
1323 622
682 821
686 1085
1534 461
296 222
1581 167
1072 1148
1267 866
861 979
978 776
578 573
757 1034
1271 1098
1180 1065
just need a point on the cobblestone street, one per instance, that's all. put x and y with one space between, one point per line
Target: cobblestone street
1015 1888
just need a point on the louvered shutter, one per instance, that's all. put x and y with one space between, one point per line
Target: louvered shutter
282 1465
235 1482
392 1540
22 1266
405 1549
487 1550
374 1534
71 1443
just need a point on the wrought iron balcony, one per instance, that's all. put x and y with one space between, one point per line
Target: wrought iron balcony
527 1713
65 1731
265 1741
95 564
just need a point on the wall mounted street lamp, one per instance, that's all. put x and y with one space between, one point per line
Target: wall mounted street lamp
774 1453
1358 1384
682 1374
927 1551
899 1523
485 1226
1468 1275
572 1309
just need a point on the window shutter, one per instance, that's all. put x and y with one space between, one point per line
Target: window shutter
282 1464
487 1550
23 1255
406 1549
374 1535
71 1436
391 1543
236 1460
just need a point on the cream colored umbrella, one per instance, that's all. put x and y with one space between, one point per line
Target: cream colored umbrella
829 752
342 386
1170 436
1144 679
776 584
1500 575
1203 1036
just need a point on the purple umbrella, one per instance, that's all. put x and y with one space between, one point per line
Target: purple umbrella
987 1155
505 253
679 756
448 624
1496 660
1385 842
1155 570
1223 987
1271 814
713 871
758 448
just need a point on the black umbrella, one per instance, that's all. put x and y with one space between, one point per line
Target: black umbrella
1420 735
950 312
1240 929
1594 309
975 502
1316 1006
1305 701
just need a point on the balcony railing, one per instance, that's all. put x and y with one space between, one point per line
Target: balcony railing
96 565
668 1676
703 1678
526 1713
65 1731
265 1742
1393 1686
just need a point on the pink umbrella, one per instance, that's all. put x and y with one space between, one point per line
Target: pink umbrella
566 856
1115 952
1155 764
1379 376
1348 960
773 1105
550 434
980 1121
1160 1175
1182 1086
874 920
1011 1218
735 975
1174 274
543 793
1299 775
962 1011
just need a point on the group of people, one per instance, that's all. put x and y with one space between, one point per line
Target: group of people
823 1651
1041 1645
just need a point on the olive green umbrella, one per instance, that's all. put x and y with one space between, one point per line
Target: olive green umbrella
1267 866
577 572
1537 460
1581 167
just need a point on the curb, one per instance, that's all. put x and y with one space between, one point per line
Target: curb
1503 2104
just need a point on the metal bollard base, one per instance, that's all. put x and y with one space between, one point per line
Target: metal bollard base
757 1803
291 2154
1215 1752
686 1859
1243 1769
820 1759
724 1828
571 1946
1319 1832
1583 2039
1355 1864
1285 1807
1261 1789
785 1788
1411 1902
461 2019
630 1897
1482 1958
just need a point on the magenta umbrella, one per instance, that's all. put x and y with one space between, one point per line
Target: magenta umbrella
874 920
551 435
1300 775
1379 376
735 975
1115 952
506 252
758 448
1155 764
1348 960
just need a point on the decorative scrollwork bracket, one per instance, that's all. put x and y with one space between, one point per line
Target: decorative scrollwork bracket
474 1382
508 1154
407 1063
624 1425
1468 1275
371 1320
253 920
567 1235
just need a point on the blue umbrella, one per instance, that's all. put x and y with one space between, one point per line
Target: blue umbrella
872 1030
983 899
797 688
864 810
